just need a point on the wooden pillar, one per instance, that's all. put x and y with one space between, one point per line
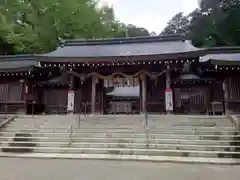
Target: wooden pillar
71 95
102 97
143 93
225 91
23 93
140 94
93 103
177 95
168 78
168 92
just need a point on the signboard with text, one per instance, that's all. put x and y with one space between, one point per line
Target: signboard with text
70 105
169 99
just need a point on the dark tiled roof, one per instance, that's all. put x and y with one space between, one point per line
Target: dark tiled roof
123 47
15 62
222 55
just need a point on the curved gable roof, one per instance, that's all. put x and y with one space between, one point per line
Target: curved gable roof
123 47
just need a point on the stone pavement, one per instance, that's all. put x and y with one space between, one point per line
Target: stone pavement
56 169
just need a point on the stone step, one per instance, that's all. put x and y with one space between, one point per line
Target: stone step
122 135
124 118
42 130
93 128
155 146
33 134
125 139
38 143
121 130
153 128
162 118
152 120
156 116
152 131
126 151
21 122
157 126
38 138
127 145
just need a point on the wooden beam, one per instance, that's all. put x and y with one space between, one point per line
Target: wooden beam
225 91
144 92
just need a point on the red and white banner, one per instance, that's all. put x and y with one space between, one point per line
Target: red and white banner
169 99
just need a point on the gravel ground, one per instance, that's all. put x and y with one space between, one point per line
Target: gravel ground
54 169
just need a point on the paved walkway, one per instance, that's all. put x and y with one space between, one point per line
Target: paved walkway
53 169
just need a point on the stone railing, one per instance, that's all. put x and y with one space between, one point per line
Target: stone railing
6 120
235 119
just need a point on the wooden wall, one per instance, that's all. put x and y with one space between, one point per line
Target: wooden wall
100 97
12 99
83 96
55 100
156 95
233 94
191 99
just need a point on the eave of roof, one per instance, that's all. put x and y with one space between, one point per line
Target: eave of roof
222 56
17 62
162 46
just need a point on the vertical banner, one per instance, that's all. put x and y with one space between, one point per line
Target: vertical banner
26 89
169 99
70 104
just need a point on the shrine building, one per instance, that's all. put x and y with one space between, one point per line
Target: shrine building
159 74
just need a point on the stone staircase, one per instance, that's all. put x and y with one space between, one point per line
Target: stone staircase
168 136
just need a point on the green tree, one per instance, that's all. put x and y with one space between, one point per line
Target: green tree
134 31
177 25
214 23
38 26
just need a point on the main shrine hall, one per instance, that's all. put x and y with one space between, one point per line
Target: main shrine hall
158 74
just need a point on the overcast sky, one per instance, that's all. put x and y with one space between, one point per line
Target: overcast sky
151 14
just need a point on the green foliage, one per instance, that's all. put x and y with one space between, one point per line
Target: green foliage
178 24
134 31
37 26
215 23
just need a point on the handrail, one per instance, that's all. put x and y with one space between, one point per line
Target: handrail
70 130
79 120
84 110
146 128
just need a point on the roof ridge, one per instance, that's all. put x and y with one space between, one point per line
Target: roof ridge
17 55
125 40
224 49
